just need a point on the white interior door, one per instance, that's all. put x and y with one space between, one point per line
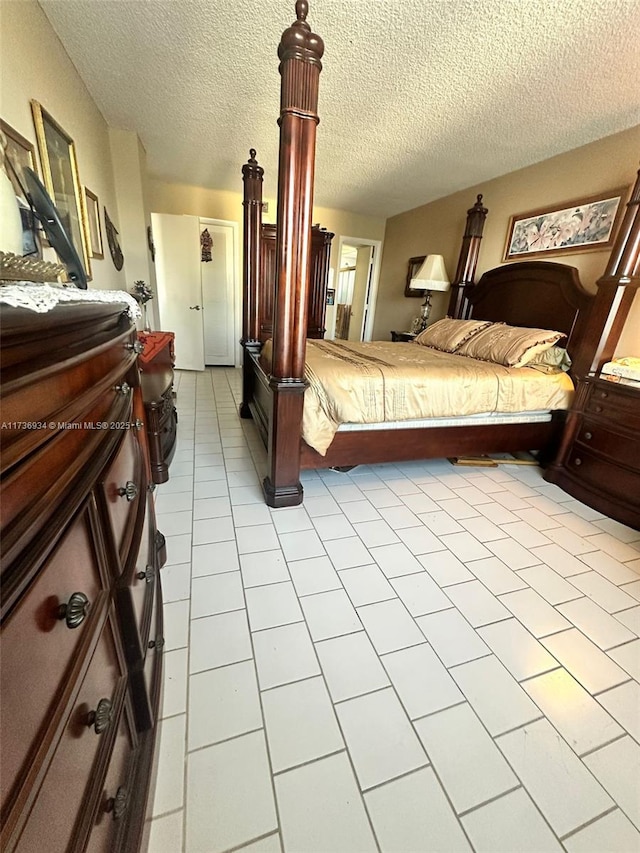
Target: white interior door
360 292
218 280
177 241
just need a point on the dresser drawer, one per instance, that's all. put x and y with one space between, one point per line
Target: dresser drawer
51 822
64 395
607 477
136 590
618 447
42 651
618 403
113 804
123 486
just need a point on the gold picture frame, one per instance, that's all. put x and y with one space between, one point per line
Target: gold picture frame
93 221
60 172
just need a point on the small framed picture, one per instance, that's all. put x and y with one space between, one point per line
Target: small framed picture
93 221
331 296
414 266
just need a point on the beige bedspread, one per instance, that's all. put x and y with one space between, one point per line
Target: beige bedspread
381 381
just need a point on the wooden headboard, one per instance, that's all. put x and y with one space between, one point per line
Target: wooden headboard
535 294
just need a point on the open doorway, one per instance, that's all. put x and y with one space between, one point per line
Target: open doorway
356 288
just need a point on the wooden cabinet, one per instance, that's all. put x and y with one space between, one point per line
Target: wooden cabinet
318 281
600 465
81 592
161 418
157 361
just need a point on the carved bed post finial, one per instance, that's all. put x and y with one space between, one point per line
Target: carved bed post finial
468 260
300 53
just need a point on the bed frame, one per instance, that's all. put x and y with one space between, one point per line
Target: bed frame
536 294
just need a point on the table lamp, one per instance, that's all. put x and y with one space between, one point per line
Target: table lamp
431 276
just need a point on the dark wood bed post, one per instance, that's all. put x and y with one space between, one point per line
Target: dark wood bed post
300 52
252 175
467 262
616 291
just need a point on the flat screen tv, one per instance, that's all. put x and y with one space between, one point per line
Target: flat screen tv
46 212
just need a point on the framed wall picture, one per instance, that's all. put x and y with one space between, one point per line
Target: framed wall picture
61 179
93 221
19 152
414 266
331 296
587 224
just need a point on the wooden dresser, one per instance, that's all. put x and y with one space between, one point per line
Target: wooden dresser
601 467
81 616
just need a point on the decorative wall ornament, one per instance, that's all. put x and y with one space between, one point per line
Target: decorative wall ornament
112 239
206 245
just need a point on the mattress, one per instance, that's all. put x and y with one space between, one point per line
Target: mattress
381 383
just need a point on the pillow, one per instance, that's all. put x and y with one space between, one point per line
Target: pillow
554 360
513 346
448 334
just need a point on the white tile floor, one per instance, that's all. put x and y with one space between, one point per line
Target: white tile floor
419 658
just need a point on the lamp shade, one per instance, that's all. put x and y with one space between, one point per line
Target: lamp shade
432 275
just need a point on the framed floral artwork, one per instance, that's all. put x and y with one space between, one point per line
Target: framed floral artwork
61 179
578 226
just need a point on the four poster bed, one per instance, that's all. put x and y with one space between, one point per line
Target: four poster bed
545 296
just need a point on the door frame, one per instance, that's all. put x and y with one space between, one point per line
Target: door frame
237 282
375 276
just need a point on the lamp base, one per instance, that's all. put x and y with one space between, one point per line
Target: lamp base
421 322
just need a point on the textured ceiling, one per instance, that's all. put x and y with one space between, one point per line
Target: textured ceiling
418 98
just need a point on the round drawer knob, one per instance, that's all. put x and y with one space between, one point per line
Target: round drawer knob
130 491
158 643
577 461
75 610
147 575
101 717
123 389
588 436
604 395
117 805
598 408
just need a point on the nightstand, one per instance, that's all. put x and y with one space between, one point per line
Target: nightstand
403 336
601 461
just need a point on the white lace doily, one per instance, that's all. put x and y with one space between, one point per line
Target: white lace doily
43 297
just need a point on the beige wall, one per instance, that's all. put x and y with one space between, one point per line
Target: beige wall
438 227
34 65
